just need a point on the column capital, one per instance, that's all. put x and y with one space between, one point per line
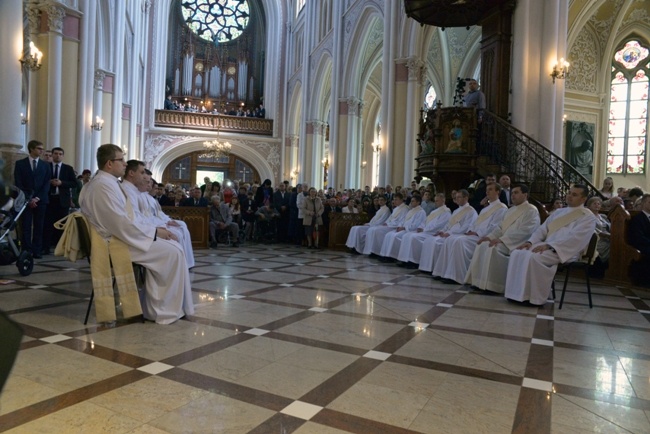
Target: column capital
417 69
55 15
354 105
293 138
99 79
33 12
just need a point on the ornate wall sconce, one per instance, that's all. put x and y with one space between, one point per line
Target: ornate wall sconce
98 124
32 61
364 164
23 119
560 70
295 173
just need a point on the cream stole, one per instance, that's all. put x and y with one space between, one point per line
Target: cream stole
396 212
435 213
380 214
567 219
514 215
459 215
411 213
488 212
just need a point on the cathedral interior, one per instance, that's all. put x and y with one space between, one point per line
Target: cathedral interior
342 94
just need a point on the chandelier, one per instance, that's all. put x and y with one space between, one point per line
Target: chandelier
216 149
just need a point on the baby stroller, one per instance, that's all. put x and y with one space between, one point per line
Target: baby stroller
9 252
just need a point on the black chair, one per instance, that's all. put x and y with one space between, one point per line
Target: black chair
585 261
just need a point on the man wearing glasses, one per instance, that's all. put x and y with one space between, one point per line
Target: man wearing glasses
32 175
107 207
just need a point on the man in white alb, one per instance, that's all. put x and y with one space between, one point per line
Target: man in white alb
376 234
151 209
167 282
459 223
562 237
411 246
413 220
487 270
357 237
452 258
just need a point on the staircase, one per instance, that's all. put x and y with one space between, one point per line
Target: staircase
501 148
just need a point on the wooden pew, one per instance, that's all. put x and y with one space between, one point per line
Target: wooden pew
621 255
197 220
340 225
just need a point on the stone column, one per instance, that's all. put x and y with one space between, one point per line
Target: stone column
11 50
416 74
97 111
55 15
353 136
86 74
537 103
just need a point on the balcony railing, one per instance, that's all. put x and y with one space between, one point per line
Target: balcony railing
210 122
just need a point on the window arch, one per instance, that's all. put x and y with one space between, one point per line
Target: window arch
627 139
430 97
216 20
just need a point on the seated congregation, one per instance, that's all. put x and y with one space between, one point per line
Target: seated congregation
497 250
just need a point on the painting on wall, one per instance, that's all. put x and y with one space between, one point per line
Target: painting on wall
580 147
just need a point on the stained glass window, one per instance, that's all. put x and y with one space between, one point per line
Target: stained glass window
216 20
628 111
430 98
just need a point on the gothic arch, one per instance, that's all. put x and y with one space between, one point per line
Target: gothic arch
321 86
353 66
188 145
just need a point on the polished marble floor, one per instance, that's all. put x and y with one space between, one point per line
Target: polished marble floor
289 340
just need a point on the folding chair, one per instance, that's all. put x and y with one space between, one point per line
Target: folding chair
585 261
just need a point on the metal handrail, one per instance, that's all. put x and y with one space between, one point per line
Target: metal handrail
529 161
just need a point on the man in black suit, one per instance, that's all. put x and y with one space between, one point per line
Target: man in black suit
638 231
61 185
32 175
195 199
281 202
638 236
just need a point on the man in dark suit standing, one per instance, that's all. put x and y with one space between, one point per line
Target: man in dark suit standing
195 199
281 202
32 175
61 185
638 236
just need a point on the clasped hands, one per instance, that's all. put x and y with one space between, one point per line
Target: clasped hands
539 249
165 234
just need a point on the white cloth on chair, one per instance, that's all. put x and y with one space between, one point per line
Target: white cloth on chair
375 235
392 241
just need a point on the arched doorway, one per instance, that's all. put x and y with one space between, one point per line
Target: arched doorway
190 169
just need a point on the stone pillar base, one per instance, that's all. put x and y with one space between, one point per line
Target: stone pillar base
9 154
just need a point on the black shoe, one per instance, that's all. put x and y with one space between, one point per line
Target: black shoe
235 244
411 266
37 256
47 252
213 245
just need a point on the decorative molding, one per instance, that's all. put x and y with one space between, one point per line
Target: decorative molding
585 61
99 79
33 17
271 152
155 144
